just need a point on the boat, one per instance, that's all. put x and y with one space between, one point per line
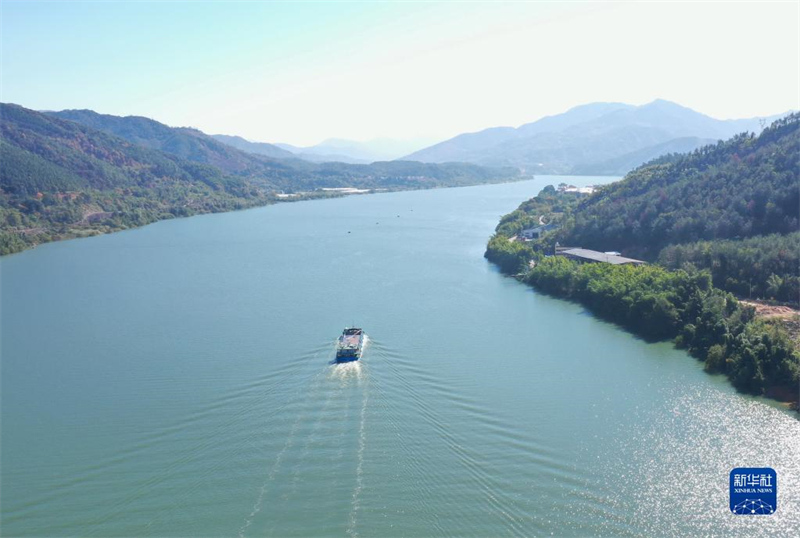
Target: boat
350 345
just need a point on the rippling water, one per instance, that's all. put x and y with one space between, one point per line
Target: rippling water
177 380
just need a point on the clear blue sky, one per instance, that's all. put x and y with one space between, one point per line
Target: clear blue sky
302 72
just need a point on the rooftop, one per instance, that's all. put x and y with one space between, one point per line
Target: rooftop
596 256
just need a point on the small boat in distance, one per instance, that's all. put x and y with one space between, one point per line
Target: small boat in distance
350 345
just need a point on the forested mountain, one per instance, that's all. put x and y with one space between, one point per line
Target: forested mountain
600 138
722 219
746 186
63 179
60 179
732 208
187 143
289 175
757 267
45 154
622 164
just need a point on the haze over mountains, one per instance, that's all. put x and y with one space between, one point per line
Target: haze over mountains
597 138
332 150
271 166
258 148
592 139
352 151
178 140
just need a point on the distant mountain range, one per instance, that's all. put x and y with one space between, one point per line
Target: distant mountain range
331 150
258 148
351 151
598 138
195 145
274 167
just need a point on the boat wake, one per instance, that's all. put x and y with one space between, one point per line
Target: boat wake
290 441
315 405
359 485
347 372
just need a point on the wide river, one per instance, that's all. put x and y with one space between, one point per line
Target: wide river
176 380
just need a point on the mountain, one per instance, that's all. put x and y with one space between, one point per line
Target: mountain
721 220
466 146
732 208
598 138
62 178
619 166
746 186
42 153
187 143
259 148
322 155
351 151
289 175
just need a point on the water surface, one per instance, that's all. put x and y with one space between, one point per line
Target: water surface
175 380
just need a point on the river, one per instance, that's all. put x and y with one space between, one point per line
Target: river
176 380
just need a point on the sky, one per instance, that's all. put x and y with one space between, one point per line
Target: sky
302 72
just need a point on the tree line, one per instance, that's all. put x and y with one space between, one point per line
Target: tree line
719 221
743 187
658 304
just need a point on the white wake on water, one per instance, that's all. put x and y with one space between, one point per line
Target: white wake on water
345 373
362 443
278 460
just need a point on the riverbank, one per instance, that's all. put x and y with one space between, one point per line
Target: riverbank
164 370
756 355
128 214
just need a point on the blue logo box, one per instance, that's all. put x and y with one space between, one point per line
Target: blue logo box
754 491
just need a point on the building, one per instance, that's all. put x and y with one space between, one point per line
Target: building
536 233
578 190
592 256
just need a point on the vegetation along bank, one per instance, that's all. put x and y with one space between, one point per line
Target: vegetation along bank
716 225
79 173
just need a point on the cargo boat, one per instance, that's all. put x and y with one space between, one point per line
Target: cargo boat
350 345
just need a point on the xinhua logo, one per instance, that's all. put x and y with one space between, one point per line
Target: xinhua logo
754 491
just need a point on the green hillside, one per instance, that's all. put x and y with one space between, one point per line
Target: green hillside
61 179
719 221
732 208
285 174
186 143
743 187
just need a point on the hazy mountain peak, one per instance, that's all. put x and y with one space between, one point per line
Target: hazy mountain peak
354 151
258 148
663 103
588 138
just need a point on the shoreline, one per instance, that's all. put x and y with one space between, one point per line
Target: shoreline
309 196
782 396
